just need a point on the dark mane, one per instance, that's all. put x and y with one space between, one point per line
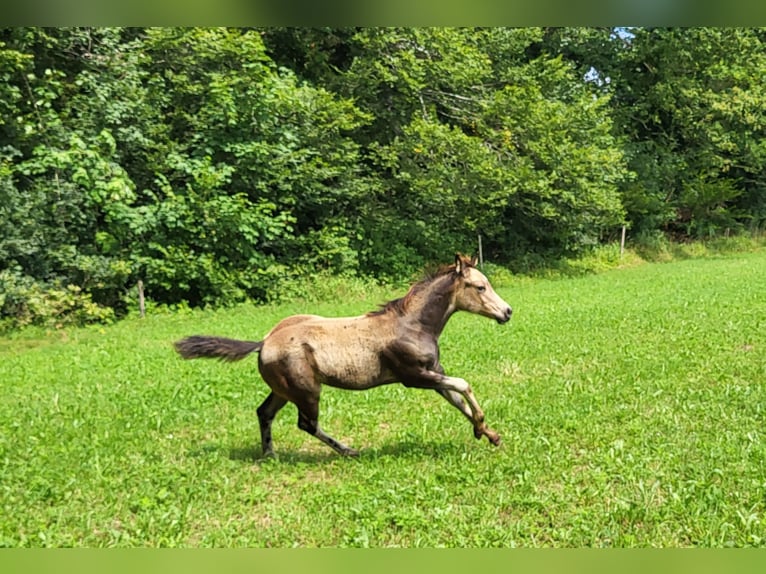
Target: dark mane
399 306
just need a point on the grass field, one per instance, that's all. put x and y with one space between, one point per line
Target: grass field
631 406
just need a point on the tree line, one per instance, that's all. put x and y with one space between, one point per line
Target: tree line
217 164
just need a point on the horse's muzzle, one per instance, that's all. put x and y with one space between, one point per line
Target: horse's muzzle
506 316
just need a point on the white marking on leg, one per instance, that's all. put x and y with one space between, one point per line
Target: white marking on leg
457 401
461 386
455 384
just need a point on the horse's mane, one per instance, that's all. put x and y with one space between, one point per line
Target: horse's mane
399 306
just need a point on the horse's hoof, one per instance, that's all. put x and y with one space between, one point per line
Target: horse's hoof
352 452
494 438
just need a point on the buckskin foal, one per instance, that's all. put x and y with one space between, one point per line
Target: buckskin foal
397 343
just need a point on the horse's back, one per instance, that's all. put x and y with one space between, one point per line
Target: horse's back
290 321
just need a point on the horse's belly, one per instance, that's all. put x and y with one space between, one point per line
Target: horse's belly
350 370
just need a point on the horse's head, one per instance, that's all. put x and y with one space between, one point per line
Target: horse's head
474 294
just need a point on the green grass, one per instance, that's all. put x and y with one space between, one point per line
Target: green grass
631 406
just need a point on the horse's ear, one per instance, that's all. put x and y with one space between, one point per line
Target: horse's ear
462 263
474 260
459 264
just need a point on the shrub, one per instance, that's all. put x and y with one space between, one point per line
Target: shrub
652 245
24 301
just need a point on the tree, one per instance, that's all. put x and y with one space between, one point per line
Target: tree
219 164
483 139
689 102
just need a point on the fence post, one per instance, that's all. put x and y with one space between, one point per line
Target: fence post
141 302
622 242
481 255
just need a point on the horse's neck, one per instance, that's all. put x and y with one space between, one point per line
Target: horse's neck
433 307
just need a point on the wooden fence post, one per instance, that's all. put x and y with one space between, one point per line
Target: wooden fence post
141 301
622 242
481 255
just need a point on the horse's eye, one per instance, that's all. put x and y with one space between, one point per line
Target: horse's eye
481 288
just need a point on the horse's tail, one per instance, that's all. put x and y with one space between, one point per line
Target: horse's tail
221 348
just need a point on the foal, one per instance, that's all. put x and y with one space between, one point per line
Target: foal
397 343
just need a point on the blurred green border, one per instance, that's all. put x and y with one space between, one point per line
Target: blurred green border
377 561
389 13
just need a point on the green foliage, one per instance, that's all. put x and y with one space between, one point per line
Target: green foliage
707 207
257 176
25 302
562 157
220 165
655 246
689 102
509 147
447 184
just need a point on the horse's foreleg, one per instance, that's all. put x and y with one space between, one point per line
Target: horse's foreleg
456 401
455 389
454 398
456 386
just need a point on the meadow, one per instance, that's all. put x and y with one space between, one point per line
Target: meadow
630 403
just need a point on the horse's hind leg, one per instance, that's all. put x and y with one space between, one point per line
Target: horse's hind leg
308 420
266 413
